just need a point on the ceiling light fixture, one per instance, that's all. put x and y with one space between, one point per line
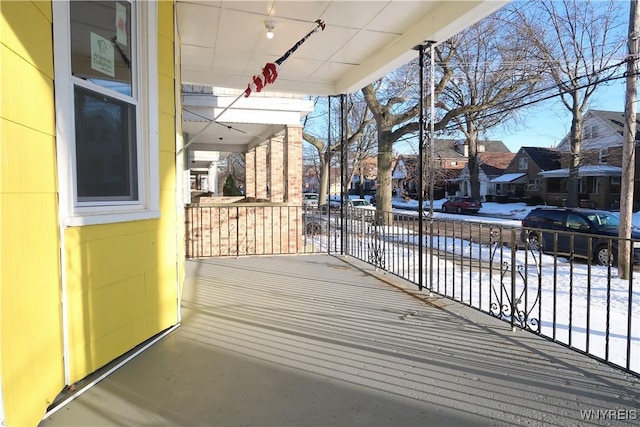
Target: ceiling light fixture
269 25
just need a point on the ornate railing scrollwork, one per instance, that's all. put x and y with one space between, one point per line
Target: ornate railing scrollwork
511 302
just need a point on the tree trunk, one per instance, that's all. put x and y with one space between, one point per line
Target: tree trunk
472 163
385 158
573 183
628 153
325 170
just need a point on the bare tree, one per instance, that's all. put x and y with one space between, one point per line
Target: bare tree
492 71
359 142
471 94
394 102
579 42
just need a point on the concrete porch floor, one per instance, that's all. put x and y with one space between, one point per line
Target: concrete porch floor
320 340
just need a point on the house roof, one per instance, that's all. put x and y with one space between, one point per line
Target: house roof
399 170
454 148
596 170
544 158
615 120
494 164
509 178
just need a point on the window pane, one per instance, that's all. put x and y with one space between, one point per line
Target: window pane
105 147
101 43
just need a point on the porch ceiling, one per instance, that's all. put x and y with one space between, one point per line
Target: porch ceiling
224 43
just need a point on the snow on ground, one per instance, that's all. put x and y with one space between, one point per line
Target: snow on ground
584 306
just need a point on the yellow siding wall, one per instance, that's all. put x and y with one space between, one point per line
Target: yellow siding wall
31 339
123 278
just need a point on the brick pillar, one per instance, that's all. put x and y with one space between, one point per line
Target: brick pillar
276 163
261 172
250 173
293 165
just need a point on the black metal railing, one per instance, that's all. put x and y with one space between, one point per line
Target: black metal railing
548 283
558 291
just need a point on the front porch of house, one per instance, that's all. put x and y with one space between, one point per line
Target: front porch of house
328 340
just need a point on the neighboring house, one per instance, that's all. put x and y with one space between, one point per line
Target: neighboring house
449 158
490 166
601 130
521 178
369 171
310 179
600 168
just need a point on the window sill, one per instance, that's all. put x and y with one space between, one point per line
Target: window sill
110 218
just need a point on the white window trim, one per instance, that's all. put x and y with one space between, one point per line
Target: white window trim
148 205
523 163
603 155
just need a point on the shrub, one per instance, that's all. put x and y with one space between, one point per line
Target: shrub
230 188
534 201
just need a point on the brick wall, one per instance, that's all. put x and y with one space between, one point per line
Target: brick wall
234 230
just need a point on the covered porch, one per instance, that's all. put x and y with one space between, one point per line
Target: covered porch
326 340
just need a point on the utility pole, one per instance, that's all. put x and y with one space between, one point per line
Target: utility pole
628 152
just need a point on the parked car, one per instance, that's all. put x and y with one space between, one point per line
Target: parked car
460 204
362 208
542 225
310 199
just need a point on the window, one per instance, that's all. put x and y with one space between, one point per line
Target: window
582 184
534 185
523 163
590 132
576 222
106 110
603 155
596 185
555 219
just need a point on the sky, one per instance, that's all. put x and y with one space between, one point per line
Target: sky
547 123
565 289
543 124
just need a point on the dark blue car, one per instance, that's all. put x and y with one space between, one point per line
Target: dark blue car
585 233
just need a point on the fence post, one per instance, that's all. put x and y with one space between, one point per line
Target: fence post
514 302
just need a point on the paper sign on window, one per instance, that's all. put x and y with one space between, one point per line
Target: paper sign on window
102 55
121 24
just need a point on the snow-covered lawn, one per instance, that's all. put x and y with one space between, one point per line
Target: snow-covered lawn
583 306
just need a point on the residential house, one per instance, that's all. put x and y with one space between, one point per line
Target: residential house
365 178
600 168
490 166
521 178
310 179
449 158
